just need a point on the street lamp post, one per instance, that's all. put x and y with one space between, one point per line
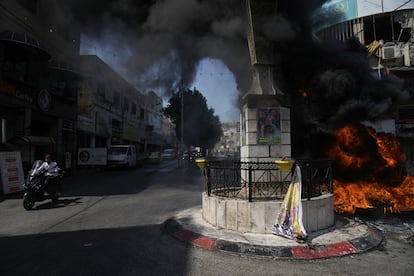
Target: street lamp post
182 125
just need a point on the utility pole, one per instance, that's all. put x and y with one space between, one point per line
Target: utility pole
182 125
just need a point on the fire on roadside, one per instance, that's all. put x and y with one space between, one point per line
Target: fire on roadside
369 171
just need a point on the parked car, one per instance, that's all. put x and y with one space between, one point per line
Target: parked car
168 154
154 157
186 155
122 156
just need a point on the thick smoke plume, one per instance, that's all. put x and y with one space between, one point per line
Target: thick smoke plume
163 41
331 82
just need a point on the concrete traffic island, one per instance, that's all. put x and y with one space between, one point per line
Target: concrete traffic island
347 236
238 225
259 216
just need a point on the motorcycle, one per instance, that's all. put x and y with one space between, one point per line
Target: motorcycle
35 188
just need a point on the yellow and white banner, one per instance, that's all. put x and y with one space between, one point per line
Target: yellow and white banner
289 220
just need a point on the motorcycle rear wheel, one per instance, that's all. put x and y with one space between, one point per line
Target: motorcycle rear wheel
28 203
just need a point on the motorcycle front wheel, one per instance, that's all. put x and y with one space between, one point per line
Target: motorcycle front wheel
28 203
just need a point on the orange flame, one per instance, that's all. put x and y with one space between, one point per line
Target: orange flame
371 171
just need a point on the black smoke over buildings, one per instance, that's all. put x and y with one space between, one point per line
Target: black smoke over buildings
164 40
329 83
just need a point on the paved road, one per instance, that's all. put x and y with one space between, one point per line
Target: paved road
108 223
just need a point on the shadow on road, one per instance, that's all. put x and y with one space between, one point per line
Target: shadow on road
62 202
132 181
126 251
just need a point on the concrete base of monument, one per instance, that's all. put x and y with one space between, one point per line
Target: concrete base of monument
260 216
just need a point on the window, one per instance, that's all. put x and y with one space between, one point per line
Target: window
15 69
116 98
101 91
126 105
134 109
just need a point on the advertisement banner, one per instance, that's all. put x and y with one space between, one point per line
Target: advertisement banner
92 156
370 7
11 170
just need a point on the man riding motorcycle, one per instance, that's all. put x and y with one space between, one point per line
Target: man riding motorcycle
43 182
51 171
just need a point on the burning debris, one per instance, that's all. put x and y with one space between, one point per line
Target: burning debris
369 171
333 89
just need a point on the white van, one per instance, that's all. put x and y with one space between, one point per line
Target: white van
122 156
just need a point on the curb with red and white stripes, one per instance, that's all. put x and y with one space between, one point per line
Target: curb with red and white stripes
370 240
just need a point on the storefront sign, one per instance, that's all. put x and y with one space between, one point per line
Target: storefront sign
67 124
44 100
21 93
11 170
86 124
92 156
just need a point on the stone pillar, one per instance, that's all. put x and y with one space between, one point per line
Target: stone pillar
259 144
265 123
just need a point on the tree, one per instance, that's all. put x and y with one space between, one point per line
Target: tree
201 127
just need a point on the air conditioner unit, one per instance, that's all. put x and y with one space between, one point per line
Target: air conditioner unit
389 52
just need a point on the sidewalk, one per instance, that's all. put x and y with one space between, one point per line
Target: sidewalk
346 237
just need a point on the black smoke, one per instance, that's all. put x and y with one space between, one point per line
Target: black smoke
330 83
164 40
161 42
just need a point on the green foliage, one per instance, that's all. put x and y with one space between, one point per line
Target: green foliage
201 127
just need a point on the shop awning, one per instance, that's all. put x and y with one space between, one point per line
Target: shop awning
32 140
24 39
7 147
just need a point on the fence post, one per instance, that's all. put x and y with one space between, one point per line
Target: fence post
250 184
208 182
309 178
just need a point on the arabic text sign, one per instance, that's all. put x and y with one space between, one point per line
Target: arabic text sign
12 175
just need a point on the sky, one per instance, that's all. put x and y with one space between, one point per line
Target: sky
218 85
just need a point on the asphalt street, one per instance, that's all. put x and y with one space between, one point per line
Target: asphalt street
109 223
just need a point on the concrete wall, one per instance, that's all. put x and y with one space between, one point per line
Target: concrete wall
259 217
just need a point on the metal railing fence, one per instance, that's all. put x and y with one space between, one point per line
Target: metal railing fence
254 181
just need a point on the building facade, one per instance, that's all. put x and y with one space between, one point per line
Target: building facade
39 54
53 100
111 111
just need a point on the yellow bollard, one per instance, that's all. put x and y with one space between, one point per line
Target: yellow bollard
201 163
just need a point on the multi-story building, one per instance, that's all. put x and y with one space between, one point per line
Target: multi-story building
229 144
112 111
38 79
386 28
41 82
160 131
